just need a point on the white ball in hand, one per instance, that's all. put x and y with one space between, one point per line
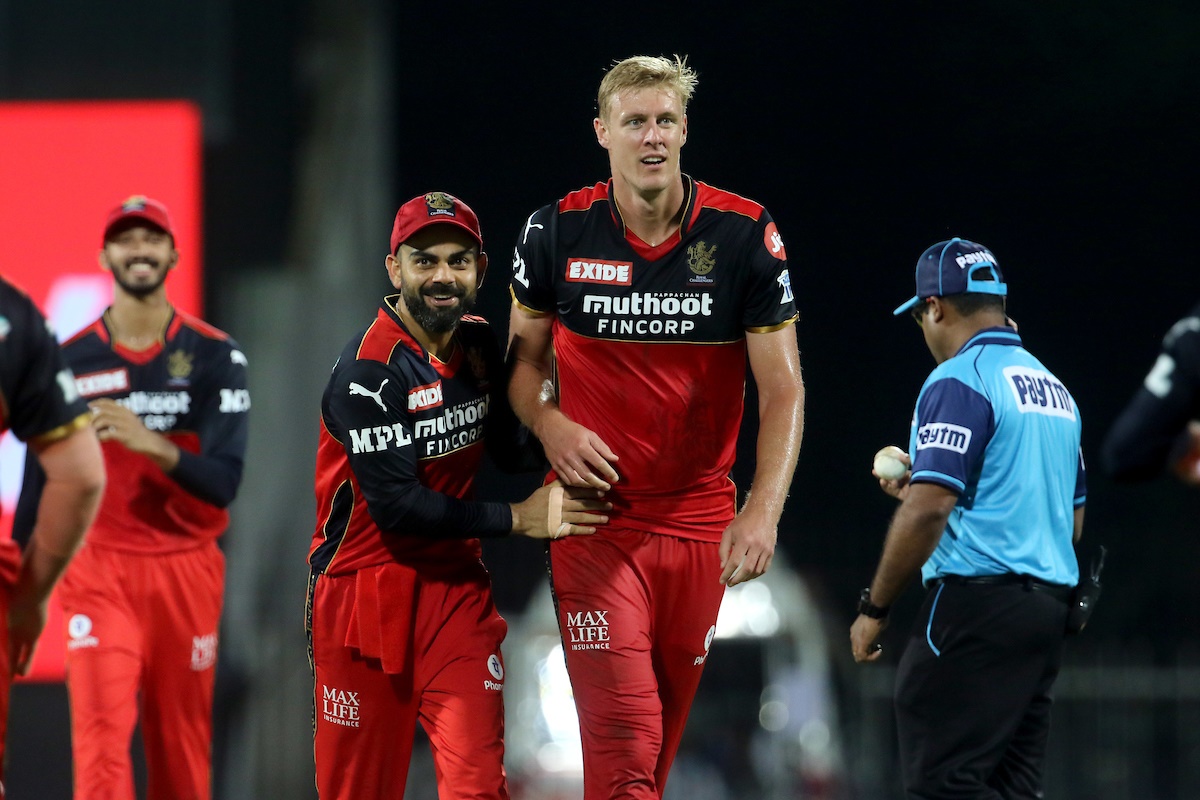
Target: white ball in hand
889 463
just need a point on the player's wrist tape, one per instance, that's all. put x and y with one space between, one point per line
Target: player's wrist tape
869 609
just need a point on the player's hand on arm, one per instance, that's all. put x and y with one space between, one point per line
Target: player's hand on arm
555 511
70 496
748 544
114 422
578 456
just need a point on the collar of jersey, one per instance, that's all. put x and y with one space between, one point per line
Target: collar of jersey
689 206
999 335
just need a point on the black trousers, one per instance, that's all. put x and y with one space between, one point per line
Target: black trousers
973 691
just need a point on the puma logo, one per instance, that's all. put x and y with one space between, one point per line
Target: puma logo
362 391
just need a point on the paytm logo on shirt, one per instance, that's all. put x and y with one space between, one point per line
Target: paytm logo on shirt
1038 392
945 436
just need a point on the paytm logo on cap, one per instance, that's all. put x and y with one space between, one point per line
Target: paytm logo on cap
944 436
966 259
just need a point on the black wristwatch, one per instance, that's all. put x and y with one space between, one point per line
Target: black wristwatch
869 609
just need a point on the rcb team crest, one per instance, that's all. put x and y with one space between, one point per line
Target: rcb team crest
179 365
701 260
439 203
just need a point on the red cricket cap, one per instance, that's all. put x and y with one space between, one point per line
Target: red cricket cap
433 209
141 208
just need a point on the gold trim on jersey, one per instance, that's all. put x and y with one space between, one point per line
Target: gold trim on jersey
533 312
773 328
63 431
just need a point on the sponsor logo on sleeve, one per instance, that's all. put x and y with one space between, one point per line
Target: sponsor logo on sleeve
774 242
944 436
1038 392
379 438
785 284
358 390
235 401
66 384
610 273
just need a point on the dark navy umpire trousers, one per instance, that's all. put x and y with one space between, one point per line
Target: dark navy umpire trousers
973 690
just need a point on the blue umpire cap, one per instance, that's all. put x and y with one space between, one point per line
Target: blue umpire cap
950 268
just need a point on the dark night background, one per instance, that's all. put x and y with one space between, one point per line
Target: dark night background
1060 135
1061 138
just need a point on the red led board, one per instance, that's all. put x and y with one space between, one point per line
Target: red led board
63 167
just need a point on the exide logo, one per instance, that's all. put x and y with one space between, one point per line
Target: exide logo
613 273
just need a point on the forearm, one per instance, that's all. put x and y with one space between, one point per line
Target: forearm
66 510
780 431
530 394
911 539
416 510
214 480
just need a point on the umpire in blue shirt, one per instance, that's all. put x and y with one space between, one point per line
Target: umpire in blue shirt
989 511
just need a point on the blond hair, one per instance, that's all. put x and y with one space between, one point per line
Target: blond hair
645 72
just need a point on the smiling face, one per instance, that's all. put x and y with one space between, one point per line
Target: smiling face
139 257
437 272
643 131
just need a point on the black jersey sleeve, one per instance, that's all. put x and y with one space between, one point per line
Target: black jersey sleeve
215 473
38 397
1141 441
532 282
378 438
770 301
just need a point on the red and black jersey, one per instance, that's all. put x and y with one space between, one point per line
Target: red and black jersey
38 400
402 436
190 387
650 342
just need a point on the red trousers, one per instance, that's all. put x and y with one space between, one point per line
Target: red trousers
142 627
391 648
637 613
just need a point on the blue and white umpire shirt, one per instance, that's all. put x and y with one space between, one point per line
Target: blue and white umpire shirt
995 426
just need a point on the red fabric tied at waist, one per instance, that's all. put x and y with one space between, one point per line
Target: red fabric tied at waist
381 622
